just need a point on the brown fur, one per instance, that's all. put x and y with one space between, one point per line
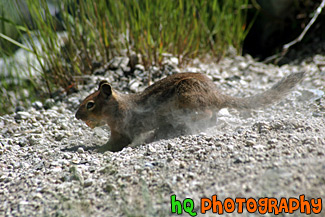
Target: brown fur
168 106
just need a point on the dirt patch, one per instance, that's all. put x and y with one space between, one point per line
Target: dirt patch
49 165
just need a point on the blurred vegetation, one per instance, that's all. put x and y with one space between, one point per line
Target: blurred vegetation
96 31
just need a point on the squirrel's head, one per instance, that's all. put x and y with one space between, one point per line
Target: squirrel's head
95 108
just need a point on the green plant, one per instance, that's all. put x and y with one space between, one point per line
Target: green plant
96 31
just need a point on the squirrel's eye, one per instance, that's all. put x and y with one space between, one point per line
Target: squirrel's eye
90 105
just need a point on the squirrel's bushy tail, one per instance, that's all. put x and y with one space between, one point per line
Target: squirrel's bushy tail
277 92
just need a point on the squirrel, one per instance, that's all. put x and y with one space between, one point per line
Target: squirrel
167 106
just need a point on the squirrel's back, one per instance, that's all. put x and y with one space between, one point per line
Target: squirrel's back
196 90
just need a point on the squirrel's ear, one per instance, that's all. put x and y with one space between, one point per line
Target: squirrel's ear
101 83
105 88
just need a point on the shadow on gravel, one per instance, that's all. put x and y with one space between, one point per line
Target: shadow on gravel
85 148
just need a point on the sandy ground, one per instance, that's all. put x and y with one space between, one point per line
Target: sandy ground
49 166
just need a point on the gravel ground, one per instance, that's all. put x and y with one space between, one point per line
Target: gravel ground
49 165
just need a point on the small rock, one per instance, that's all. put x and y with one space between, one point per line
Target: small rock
182 165
114 63
88 182
259 146
124 62
67 156
134 85
100 132
148 165
16 165
140 67
151 149
250 143
179 178
243 65
137 168
22 142
119 73
22 116
224 112
216 77
37 105
96 64
118 62
91 169
59 136
238 160
261 127
107 170
80 150
32 140
19 109
100 71
233 78
109 187
191 175
76 174
272 141
57 169
49 103
171 145
317 114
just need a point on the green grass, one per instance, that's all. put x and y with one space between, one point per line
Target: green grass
99 30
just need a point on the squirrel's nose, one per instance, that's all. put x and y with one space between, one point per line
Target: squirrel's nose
78 116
